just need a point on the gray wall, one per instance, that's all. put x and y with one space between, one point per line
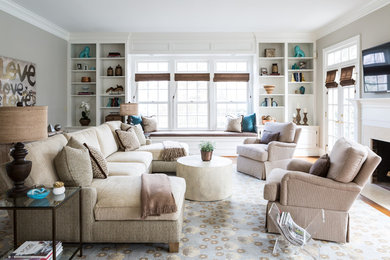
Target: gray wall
21 40
374 29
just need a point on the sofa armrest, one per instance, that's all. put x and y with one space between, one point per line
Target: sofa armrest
280 151
148 141
311 191
251 140
299 165
89 200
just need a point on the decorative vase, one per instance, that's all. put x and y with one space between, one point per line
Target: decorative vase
84 121
110 71
269 88
206 156
118 70
302 90
275 69
305 118
298 118
58 191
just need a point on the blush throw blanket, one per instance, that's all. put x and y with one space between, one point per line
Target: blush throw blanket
172 151
156 195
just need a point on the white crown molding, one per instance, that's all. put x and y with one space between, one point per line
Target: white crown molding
101 37
26 15
350 17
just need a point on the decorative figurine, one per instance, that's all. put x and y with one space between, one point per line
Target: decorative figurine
302 90
302 65
50 128
110 71
57 127
295 66
298 52
118 70
263 71
264 103
85 53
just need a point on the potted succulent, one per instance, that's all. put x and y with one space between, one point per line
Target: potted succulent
86 109
206 150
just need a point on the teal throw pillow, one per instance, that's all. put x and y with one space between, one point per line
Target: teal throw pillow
249 123
136 120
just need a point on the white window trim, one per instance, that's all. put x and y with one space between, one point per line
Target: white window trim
172 86
338 46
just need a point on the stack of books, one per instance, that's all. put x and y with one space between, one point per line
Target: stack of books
34 250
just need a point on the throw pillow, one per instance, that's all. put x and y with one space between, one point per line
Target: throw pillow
99 164
149 123
234 124
138 131
136 120
321 166
73 165
346 159
249 123
268 137
128 140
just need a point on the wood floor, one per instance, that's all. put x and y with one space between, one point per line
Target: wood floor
312 159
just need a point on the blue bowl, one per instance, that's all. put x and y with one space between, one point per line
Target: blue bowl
38 193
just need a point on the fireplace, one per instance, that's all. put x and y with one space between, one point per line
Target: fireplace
381 175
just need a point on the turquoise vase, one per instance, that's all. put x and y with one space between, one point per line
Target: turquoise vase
302 90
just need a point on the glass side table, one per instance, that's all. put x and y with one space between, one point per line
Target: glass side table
295 241
52 203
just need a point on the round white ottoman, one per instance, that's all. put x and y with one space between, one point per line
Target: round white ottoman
206 181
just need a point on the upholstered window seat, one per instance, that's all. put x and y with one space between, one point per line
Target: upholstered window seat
226 142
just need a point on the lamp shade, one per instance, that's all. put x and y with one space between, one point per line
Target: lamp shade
23 124
129 109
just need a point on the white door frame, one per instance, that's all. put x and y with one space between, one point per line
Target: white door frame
353 40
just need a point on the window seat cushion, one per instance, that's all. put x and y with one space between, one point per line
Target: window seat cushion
178 133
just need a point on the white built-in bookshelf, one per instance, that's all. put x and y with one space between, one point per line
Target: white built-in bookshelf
286 92
94 92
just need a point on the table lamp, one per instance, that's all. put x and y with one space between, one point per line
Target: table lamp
129 109
18 125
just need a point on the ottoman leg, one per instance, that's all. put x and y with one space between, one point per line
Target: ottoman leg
174 247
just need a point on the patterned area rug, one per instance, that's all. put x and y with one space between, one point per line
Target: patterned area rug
234 229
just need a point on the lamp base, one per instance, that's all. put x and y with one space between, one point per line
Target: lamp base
18 170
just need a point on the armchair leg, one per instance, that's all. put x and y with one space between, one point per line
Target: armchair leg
174 247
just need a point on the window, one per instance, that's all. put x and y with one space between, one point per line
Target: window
344 54
192 104
152 90
192 100
231 99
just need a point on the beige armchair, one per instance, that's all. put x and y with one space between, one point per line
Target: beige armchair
304 195
258 159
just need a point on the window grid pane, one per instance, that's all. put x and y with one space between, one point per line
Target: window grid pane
231 66
192 66
152 66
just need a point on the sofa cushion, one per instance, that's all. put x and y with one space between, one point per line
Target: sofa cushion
119 198
126 169
346 159
99 164
157 148
138 131
73 165
42 154
87 136
249 123
106 140
257 152
321 166
286 130
128 140
134 156
272 185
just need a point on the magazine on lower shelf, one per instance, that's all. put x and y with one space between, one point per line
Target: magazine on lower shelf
32 250
295 234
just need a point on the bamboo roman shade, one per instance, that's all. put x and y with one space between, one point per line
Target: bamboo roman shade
228 77
192 77
346 76
331 79
152 77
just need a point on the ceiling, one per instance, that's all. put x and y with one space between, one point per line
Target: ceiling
191 16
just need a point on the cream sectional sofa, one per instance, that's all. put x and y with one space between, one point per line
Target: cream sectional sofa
111 207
